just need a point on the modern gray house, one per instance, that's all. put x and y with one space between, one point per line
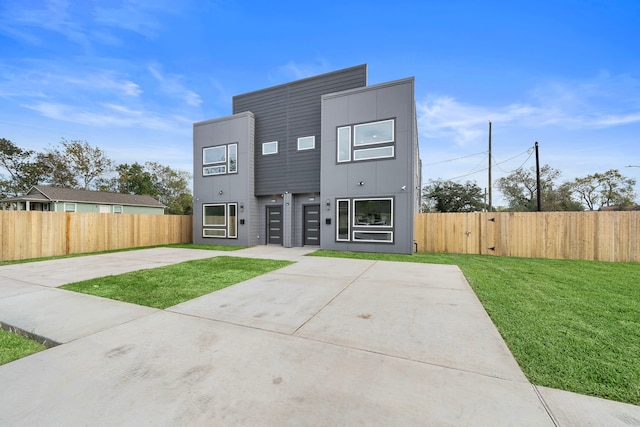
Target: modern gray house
325 161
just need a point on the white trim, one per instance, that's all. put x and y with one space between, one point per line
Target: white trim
222 231
338 239
313 142
355 153
64 207
266 145
382 141
235 146
214 170
235 220
216 147
390 233
204 206
368 200
348 142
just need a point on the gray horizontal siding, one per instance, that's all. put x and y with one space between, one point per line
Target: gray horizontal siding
284 113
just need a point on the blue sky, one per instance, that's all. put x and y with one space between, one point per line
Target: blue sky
132 76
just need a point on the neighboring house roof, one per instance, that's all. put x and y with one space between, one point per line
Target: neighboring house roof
620 208
42 193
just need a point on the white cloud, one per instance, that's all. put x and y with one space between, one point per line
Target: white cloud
171 84
603 102
107 115
296 71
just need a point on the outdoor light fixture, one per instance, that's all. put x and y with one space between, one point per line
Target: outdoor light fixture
403 188
220 192
241 207
328 204
361 183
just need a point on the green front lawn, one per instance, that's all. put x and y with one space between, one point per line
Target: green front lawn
14 346
166 286
572 325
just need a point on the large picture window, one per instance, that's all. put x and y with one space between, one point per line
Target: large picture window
366 141
220 220
220 159
364 220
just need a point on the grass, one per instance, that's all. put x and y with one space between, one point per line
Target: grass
167 286
174 245
571 325
14 346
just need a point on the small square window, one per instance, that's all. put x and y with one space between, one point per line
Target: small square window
306 143
270 148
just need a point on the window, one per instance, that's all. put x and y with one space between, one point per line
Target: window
232 165
270 148
117 209
306 143
220 220
343 229
380 133
220 159
373 133
364 220
69 207
344 144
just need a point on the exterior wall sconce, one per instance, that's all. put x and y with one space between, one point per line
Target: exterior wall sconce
361 183
220 192
403 188
328 204
241 207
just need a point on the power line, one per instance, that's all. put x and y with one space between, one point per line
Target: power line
528 151
452 160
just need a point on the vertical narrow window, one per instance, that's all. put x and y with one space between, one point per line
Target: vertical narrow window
343 227
232 166
232 229
344 144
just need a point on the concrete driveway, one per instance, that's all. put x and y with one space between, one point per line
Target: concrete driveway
321 342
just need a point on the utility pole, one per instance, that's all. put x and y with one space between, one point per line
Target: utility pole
490 202
538 179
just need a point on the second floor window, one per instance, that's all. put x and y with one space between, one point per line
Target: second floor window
219 160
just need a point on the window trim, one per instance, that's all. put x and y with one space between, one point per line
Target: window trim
230 222
313 143
348 143
205 205
369 199
338 238
393 133
269 144
354 240
235 155
224 160
221 167
354 228
64 207
393 153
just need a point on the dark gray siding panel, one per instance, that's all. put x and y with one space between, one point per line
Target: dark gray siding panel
284 113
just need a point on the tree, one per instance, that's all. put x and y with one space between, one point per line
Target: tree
76 164
172 188
520 190
450 196
22 166
610 188
169 186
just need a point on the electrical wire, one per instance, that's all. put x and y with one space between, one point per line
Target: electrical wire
529 151
457 158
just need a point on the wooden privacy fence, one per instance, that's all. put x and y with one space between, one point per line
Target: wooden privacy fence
31 234
603 236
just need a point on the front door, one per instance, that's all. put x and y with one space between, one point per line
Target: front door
312 225
274 225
